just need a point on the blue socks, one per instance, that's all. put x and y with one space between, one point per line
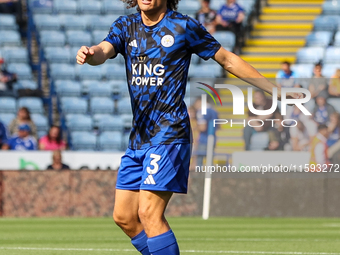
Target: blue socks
140 243
164 244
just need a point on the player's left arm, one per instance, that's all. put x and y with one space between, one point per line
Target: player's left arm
241 69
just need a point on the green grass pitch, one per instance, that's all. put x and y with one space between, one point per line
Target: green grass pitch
215 236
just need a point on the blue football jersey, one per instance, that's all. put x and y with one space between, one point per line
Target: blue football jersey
230 13
157 61
22 144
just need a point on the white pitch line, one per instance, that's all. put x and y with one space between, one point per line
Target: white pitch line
258 240
261 252
332 225
186 239
183 251
64 249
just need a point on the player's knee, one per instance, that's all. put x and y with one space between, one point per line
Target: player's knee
146 213
121 219
143 213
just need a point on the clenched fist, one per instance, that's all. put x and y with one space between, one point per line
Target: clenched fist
84 55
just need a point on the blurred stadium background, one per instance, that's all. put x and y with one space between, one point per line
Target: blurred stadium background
92 107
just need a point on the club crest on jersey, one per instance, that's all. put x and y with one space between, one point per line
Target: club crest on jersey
168 41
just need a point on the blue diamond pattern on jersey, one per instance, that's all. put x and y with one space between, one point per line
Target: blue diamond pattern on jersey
157 73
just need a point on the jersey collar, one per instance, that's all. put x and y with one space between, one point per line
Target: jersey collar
156 26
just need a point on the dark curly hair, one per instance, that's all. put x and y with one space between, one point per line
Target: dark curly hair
171 4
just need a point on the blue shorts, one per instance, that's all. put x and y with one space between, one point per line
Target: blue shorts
163 167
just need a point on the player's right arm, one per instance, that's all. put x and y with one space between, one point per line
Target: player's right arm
95 55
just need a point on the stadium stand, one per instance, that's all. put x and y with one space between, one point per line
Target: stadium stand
112 123
80 122
8 105
22 70
318 41
52 38
110 141
84 141
15 55
17 60
310 55
337 39
101 105
7 22
10 38
319 38
35 105
6 118
332 55
331 8
41 123
326 23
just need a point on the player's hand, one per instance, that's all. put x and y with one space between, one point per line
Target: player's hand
295 95
84 55
290 95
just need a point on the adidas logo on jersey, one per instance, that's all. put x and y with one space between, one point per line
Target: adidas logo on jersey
150 180
133 43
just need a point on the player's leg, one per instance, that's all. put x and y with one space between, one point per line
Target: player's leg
125 215
152 205
166 170
125 211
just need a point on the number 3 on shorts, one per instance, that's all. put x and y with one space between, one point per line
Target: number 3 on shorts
155 159
153 162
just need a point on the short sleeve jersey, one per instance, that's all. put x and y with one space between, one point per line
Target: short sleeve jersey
286 80
27 144
229 13
157 60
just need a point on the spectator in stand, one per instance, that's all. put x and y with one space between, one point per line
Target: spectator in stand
286 77
273 142
334 84
207 17
57 162
333 141
23 141
230 18
203 126
52 141
7 80
299 137
3 134
23 117
318 83
293 112
333 129
278 135
322 110
260 102
319 148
